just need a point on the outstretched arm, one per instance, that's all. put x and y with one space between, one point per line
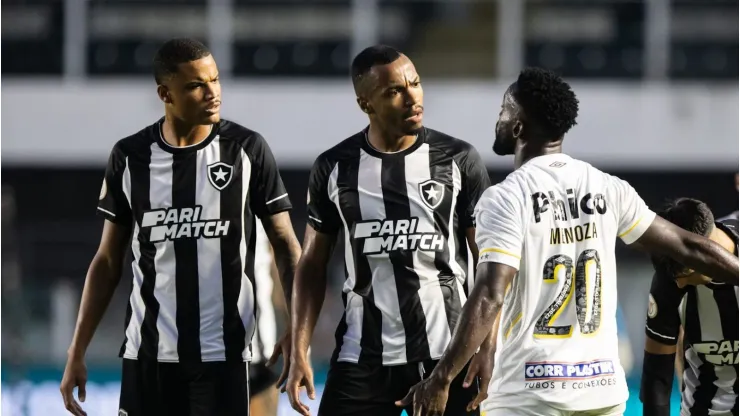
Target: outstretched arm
692 250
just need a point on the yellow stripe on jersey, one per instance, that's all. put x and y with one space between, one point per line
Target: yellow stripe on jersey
630 229
497 250
511 325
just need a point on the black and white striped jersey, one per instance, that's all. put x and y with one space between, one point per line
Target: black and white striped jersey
192 212
265 331
709 316
404 216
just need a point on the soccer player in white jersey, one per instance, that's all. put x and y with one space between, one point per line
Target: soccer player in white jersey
548 231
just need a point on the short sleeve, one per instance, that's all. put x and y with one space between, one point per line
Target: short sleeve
475 181
663 319
634 216
322 212
499 231
267 192
113 203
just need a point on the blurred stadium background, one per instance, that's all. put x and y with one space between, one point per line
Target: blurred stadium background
657 80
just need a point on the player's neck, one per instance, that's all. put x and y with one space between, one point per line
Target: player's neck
179 134
388 143
526 153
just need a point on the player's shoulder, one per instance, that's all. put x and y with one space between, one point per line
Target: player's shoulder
245 137
347 149
137 143
448 144
509 191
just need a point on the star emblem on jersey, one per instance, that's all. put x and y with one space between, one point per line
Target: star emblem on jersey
219 174
432 193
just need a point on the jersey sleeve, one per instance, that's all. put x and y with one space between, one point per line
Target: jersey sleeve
499 230
475 181
267 194
663 319
634 216
113 203
323 215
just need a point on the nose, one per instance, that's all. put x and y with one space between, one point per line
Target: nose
412 98
211 91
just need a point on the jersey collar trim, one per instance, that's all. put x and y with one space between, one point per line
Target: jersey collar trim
546 158
420 139
159 138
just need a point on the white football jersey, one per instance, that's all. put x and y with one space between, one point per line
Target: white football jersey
556 220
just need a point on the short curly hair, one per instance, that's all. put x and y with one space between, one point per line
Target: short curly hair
368 58
690 214
547 100
175 52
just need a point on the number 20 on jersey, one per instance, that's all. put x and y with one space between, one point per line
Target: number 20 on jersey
582 282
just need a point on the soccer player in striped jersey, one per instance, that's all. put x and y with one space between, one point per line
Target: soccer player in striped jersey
708 313
401 196
549 230
186 191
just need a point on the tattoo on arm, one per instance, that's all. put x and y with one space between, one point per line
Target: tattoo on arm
279 230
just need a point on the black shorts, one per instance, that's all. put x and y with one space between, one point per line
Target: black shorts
369 390
192 389
261 378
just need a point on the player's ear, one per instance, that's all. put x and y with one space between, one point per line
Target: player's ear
164 94
517 129
365 105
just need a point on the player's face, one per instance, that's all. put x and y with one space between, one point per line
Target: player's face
195 92
397 99
508 127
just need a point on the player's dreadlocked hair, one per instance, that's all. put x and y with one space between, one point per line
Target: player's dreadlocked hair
175 52
370 57
547 100
690 214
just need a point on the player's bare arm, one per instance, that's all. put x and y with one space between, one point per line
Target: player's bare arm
691 250
657 378
309 288
287 251
481 366
101 281
489 344
476 321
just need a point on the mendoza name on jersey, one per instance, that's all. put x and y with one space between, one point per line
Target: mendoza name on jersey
177 223
392 235
589 204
